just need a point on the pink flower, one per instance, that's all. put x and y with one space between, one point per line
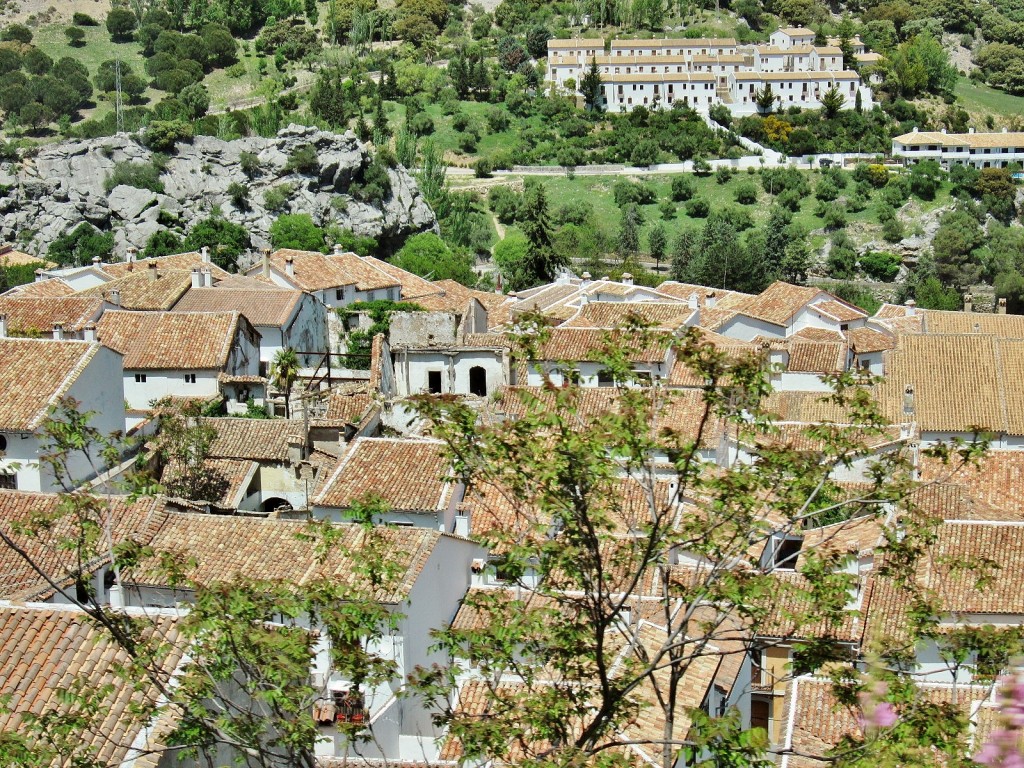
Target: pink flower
884 715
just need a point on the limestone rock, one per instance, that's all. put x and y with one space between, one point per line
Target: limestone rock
64 184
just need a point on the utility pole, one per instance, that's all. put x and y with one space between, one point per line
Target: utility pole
118 105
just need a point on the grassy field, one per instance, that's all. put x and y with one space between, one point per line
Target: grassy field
980 100
598 192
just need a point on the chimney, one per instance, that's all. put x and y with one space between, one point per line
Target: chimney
152 271
40 276
1001 307
197 278
89 332
911 306
3 326
58 331
584 280
710 299
915 460
627 278
205 251
265 261
296 449
115 297
96 261
971 129
908 400
968 303
131 254
338 250
207 277
691 301
943 130
1005 129
289 266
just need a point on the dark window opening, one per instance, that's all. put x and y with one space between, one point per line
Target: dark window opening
478 381
605 379
786 552
3 443
140 378
434 382
760 713
9 482
190 378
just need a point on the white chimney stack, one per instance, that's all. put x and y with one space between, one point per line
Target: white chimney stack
908 400
152 270
207 278
40 276
691 301
115 297
205 251
911 306
265 260
338 250
968 303
1001 307
289 266
89 332
3 326
197 278
627 278
96 261
131 254
710 300
58 332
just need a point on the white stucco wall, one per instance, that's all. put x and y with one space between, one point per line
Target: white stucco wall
160 384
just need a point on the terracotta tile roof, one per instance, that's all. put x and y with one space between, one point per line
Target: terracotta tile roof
223 547
271 306
409 475
141 291
723 299
35 374
11 257
457 296
996 483
1004 326
345 408
48 650
235 475
788 613
818 721
715 318
255 439
413 286
588 344
31 316
664 316
859 536
778 302
317 271
814 334
18 581
806 407
177 261
815 357
683 374
865 340
170 340
960 382
51 287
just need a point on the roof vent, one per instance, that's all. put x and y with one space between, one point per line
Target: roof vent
908 400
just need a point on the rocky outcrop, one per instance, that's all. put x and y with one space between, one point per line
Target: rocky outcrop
64 185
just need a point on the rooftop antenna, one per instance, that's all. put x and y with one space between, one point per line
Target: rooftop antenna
118 104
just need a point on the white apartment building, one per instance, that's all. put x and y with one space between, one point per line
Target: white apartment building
982 150
706 71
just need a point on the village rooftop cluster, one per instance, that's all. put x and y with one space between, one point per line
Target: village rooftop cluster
132 339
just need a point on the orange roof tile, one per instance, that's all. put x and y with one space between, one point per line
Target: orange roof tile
149 290
665 316
176 261
35 374
317 271
29 316
778 302
170 340
409 475
272 306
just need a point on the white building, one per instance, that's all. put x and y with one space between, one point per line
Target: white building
285 318
180 354
982 150
36 375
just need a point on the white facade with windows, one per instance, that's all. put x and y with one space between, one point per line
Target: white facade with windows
982 150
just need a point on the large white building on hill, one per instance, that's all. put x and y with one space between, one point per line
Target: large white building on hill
701 72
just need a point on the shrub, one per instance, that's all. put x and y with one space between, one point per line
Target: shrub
374 184
249 163
826 190
504 202
275 198
83 20
121 23
75 36
421 124
138 175
881 266
239 195
746 193
683 188
498 119
625 191
303 159
297 231
17 33
482 168
236 70
790 199
723 175
834 217
893 230
162 136
698 208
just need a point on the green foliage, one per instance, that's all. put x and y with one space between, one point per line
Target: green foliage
162 243
297 230
955 245
427 255
163 136
75 36
226 241
83 20
80 246
932 294
303 159
17 33
359 342
249 163
880 265
276 198
121 22
138 175
683 187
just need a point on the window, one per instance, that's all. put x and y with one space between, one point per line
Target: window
605 379
339 294
140 378
786 552
9 482
434 382
190 378
3 443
